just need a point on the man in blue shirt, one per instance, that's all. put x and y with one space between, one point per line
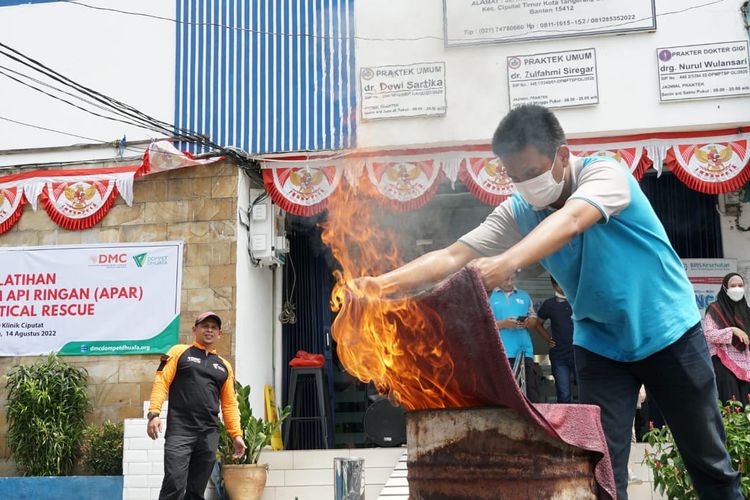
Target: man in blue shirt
636 322
557 310
514 314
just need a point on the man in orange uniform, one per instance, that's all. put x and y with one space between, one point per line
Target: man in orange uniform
197 380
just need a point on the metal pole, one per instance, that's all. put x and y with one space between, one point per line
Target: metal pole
349 478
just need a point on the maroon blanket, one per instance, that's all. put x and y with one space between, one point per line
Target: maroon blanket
477 372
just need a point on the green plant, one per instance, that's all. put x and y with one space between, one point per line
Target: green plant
257 432
102 449
47 404
670 475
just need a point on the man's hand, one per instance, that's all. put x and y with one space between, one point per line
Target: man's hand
493 270
154 428
551 342
239 447
508 323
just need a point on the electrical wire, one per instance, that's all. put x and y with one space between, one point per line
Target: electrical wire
374 39
50 86
127 122
39 127
114 105
288 314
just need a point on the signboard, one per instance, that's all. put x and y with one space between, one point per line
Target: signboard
703 71
403 91
706 276
553 79
472 22
90 299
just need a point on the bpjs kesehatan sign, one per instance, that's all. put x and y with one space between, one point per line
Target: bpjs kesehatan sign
90 299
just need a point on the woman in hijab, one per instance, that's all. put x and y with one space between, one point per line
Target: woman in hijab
726 324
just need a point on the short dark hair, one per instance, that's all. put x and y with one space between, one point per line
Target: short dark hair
554 282
528 125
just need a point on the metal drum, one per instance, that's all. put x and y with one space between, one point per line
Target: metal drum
492 453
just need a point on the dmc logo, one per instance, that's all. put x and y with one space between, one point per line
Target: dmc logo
112 258
139 259
84 348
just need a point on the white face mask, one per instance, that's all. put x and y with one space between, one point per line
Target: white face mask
560 295
542 190
736 293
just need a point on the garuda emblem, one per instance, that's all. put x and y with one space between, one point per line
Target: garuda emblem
496 172
403 175
714 159
306 180
79 196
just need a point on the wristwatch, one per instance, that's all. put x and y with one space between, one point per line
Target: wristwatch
151 415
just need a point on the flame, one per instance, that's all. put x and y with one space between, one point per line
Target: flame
392 341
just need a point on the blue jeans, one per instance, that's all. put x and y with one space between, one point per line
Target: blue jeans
562 370
681 380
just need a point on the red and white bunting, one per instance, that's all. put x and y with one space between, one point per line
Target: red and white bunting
74 199
632 158
486 179
714 167
11 207
302 190
405 185
78 204
161 156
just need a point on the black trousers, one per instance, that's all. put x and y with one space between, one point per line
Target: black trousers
681 380
188 462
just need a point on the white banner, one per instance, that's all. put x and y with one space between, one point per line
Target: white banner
90 299
471 22
706 276
402 91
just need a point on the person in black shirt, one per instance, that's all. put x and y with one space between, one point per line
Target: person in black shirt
557 309
198 382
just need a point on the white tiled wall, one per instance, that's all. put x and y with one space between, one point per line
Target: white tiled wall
300 474
142 462
308 474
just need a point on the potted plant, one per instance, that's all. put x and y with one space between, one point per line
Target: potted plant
244 478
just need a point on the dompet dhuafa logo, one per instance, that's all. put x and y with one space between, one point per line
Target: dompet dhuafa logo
143 259
140 259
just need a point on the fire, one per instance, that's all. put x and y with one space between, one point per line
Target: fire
392 341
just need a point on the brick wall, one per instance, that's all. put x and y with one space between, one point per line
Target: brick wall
197 205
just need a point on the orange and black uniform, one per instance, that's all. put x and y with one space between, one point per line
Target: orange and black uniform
198 382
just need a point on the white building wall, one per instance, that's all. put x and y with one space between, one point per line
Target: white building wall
257 316
129 58
736 242
476 81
